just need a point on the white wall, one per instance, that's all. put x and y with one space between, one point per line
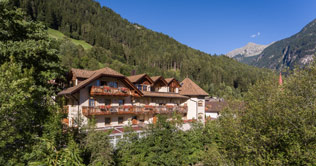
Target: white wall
100 120
191 103
195 111
163 89
177 90
201 109
212 114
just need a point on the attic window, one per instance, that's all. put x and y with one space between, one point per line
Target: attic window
113 84
144 87
103 83
139 87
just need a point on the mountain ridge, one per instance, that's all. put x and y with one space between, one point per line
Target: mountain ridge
296 50
250 49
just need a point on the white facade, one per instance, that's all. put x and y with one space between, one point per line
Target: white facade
196 108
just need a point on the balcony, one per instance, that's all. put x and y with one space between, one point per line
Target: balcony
110 91
120 110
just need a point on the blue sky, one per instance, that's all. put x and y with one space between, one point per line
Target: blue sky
218 26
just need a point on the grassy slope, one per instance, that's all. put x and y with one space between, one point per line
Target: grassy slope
58 35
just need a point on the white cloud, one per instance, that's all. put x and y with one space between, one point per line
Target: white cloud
255 35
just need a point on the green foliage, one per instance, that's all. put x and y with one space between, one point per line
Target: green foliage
97 145
55 147
164 144
46 153
28 61
124 46
276 125
16 111
28 43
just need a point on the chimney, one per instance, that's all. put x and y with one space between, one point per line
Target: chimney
133 72
280 79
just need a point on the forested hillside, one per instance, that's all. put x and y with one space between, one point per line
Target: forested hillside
126 46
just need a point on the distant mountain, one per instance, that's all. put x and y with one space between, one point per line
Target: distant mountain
297 50
251 49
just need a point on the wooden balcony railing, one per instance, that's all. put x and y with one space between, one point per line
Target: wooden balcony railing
109 91
109 110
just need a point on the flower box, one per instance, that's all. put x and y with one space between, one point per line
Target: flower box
149 106
127 106
102 106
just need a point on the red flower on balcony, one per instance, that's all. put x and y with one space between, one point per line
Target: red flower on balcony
149 106
169 106
102 106
127 106
124 90
108 106
106 88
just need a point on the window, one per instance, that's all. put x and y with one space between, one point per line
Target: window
91 102
121 102
107 102
139 87
200 103
144 87
120 120
107 121
103 83
98 82
113 84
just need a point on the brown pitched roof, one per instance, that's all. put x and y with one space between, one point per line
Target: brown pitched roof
96 74
189 88
136 78
163 94
81 73
109 71
215 106
169 80
156 78
88 73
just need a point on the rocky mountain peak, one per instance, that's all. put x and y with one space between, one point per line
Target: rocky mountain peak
251 49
